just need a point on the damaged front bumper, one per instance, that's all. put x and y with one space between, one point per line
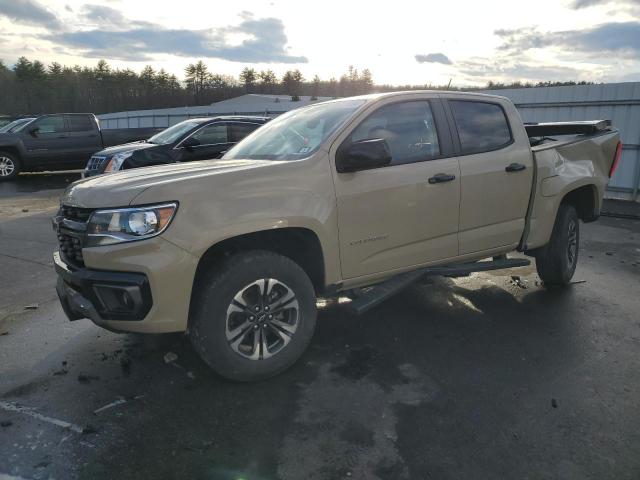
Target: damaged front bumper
102 296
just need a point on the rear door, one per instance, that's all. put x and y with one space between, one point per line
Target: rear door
213 140
84 138
394 217
496 170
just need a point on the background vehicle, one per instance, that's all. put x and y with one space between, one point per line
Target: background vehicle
15 125
365 191
193 139
59 141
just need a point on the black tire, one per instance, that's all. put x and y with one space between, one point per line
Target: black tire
556 262
9 166
242 274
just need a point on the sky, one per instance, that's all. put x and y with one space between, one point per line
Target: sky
402 42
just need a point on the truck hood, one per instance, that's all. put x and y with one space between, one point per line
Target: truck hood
120 189
127 147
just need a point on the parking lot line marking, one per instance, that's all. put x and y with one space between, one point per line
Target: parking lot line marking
10 407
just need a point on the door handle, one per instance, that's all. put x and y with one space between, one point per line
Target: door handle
441 178
62 136
515 167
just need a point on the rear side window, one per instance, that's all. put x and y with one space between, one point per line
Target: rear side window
482 126
408 128
80 123
237 131
212 134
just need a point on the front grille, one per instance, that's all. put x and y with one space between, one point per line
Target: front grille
71 248
95 162
75 214
71 231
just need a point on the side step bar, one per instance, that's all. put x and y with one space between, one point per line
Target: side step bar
382 291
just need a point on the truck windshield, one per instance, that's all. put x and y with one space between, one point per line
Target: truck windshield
172 134
296 134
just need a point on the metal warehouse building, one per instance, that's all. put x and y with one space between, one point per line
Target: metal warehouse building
619 102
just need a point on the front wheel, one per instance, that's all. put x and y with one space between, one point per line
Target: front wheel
556 262
254 315
9 166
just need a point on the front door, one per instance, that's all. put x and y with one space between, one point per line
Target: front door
395 216
47 141
212 140
497 174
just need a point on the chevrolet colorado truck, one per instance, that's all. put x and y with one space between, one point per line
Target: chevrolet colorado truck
357 196
59 142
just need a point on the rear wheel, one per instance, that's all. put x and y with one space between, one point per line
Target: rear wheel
556 262
9 166
254 315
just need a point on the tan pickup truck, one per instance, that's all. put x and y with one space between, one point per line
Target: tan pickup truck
358 192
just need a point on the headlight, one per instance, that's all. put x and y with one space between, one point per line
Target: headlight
116 162
106 227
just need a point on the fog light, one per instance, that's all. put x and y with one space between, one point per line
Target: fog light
118 299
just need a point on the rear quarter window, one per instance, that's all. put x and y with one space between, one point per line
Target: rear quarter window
482 126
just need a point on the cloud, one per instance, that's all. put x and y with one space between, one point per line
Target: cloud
523 71
578 4
264 39
29 12
622 39
433 58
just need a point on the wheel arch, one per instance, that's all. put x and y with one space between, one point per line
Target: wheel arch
585 200
299 244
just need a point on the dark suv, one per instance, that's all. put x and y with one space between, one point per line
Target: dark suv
193 139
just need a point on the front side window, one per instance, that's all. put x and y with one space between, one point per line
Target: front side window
211 134
50 124
482 126
408 128
296 134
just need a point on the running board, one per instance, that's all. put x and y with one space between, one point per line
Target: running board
382 291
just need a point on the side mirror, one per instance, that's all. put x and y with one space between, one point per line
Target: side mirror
34 131
363 155
190 143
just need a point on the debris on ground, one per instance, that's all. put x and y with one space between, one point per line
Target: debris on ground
170 357
608 253
518 282
33 306
554 403
25 210
125 365
6 423
62 371
120 401
578 281
2 334
191 375
82 378
89 429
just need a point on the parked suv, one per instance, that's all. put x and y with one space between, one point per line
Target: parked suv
193 139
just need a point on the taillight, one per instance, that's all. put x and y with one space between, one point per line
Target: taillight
616 159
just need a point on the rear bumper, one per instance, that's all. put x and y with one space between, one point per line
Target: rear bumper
102 296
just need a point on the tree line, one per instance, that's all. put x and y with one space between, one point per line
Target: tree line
31 87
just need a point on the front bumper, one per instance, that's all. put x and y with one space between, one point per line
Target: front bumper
102 296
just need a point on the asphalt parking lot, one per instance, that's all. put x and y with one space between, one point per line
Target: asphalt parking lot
490 376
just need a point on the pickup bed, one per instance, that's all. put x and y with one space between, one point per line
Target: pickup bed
368 191
59 142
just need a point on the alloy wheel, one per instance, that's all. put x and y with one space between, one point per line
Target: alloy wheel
7 167
262 319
